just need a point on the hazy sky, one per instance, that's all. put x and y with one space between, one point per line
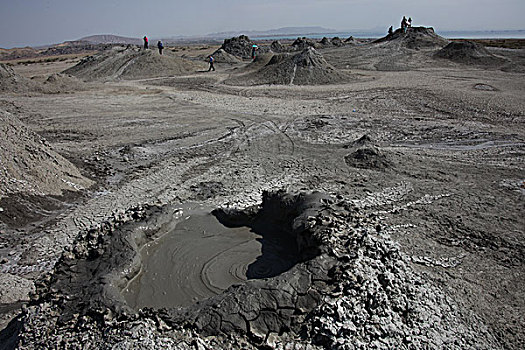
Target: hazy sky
37 22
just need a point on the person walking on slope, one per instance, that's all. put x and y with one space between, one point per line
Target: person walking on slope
146 44
210 60
160 47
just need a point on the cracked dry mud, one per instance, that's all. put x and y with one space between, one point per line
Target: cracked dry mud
403 191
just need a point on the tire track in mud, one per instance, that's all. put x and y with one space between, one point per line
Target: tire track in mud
257 141
159 186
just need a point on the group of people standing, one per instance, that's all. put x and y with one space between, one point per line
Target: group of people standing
406 23
160 46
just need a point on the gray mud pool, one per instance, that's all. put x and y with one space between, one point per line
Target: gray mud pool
201 258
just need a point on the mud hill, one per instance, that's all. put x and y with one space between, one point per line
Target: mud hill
241 46
30 165
60 82
303 43
66 48
132 63
395 52
17 53
415 38
469 52
276 46
350 40
336 41
12 82
259 62
110 39
221 56
305 68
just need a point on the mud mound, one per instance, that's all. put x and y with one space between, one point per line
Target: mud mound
350 40
132 63
259 62
325 41
221 56
12 82
277 47
29 164
514 67
415 38
306 68
351 285
303 43
364 140
6 72
241 46
469 52
366 155
336 41
61 82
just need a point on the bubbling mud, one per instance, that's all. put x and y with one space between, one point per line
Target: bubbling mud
200 258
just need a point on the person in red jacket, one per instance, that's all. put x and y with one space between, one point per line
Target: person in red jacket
146 44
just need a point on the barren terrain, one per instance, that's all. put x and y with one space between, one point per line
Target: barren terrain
397 169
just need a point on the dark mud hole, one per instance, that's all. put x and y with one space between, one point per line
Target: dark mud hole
252 273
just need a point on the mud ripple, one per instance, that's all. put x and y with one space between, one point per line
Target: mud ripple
198 259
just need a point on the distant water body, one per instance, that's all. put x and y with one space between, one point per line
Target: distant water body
507 34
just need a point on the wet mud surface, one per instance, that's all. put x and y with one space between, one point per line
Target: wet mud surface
393 204
200 258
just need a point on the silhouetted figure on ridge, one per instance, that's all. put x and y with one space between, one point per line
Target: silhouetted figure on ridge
146 43
160 47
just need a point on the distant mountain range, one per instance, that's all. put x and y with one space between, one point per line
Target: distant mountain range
111 39
295 31
276 32
115 39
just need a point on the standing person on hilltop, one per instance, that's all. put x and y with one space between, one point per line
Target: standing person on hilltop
146 44
210 60
409 22
391 30
254 51
404 24
160 46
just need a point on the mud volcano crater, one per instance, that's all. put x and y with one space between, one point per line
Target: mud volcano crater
276 286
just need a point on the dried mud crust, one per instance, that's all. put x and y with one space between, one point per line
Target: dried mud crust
353 287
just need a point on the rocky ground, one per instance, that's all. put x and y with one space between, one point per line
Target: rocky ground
402 181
